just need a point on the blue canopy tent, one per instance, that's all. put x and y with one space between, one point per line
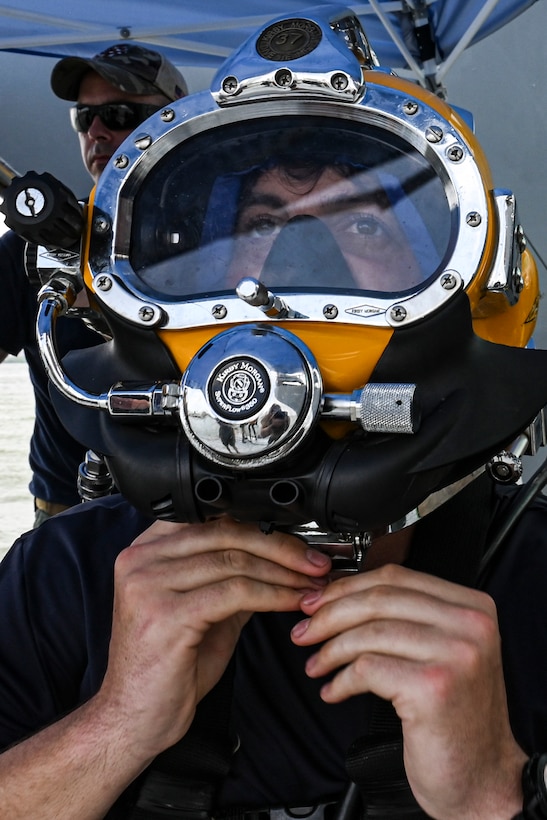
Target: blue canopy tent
421 37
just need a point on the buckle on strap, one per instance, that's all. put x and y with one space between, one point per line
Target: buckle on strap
322 811
302 812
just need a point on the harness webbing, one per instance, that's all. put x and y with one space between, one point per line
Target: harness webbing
182 781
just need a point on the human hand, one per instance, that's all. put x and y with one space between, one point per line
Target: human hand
432 648
182 595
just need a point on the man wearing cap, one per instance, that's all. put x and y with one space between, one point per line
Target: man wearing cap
114 92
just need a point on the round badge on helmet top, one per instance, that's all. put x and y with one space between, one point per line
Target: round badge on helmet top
239 388
289 40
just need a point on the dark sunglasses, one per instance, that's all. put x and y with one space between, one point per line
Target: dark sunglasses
115 116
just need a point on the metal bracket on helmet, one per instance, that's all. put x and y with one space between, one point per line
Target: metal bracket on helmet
346 550
288 39
506 275
43 263
506 467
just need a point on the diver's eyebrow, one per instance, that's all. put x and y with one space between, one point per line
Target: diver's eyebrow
263 199
340 202
335 201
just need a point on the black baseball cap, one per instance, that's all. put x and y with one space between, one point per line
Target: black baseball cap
131 68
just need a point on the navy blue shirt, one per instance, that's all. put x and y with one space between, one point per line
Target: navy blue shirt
54 456
56 589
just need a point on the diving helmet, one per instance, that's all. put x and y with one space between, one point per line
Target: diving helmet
318 306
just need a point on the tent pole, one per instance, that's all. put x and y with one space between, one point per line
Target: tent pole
483 15
398 42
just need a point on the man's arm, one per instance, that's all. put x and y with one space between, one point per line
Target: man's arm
74 769
182 595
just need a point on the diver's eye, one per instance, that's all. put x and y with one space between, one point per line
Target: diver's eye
365 225
260 227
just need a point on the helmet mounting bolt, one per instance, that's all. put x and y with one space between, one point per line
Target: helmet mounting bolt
103 282
448 281
410 108
219 311
473 219
146 313
398 313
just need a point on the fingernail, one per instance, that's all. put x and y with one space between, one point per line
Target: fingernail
310 663
318 559
311 597
320 581
299 628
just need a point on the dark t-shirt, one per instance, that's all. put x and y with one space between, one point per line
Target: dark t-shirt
54 455
55 607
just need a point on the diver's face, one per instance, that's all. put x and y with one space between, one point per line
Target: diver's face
356 211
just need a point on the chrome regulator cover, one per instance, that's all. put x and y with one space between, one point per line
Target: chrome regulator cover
247 377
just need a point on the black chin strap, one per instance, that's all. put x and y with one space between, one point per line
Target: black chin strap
448 543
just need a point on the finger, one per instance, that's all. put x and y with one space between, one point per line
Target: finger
385 676
457 669
381 605
443 654
399 577
397 639
212 604
168 540
192 572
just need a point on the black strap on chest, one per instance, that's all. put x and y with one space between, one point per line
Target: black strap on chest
449 543
182 781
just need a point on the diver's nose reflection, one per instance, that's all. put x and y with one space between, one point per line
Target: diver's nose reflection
305 252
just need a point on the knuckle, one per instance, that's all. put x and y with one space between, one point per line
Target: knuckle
237 585
482 626
360 667
377 598
390 574
466 656
235 561
438 683
490 607
124 561
353 679
127 568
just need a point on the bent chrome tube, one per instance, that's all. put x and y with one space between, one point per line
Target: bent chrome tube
54 300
